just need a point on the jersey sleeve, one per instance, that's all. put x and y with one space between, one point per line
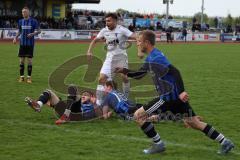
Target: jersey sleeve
160 60
126 32
19 26
36 24
140 73
178 78
100 35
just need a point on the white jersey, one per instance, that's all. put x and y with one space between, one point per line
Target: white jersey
115 39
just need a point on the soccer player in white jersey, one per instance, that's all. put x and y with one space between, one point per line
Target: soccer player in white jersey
115 37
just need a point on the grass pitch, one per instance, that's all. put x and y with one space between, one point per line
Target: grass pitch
211 75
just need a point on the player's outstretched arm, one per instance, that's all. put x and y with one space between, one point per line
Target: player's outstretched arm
133 36
90 48
133 74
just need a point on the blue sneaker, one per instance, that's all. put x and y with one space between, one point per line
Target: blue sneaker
226 146
155 148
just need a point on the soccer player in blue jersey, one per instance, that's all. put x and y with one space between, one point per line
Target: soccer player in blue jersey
82 105
172 96
117 101
28 28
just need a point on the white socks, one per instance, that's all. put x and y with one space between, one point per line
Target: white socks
126 88
99 95
67 112
40 103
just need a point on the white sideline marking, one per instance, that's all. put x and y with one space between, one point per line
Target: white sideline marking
119 137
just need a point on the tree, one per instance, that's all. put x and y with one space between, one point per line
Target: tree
229 20
122 11
237 21
215 20
198 17
211 21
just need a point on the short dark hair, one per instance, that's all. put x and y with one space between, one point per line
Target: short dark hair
149 36
25 8
112 84
112 15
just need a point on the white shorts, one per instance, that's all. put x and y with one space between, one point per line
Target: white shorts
112 62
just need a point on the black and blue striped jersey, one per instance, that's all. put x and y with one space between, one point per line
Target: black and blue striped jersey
25 27
166 78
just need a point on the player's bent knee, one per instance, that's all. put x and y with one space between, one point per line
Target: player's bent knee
140 116
194 122
49 92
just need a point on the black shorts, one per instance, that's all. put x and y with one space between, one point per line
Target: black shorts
133 108
170 108
26 51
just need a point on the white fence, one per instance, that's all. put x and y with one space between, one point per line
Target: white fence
88 35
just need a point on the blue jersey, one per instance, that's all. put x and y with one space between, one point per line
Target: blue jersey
117 101
87 107
25 27
166 77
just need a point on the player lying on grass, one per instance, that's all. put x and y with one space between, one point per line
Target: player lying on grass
75 108
118 102
172 96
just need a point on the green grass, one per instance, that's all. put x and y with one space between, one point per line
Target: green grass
211 74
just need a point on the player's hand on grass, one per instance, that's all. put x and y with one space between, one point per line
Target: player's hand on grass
30 35
184 96
89 56
14 41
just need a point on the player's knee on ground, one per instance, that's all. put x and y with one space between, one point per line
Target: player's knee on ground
140 116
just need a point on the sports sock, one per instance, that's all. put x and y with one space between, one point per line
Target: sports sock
67 112
126 88
40 103
44 97
29 70
99 94
21 70
149 130
213 133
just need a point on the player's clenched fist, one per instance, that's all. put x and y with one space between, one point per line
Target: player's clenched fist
184 96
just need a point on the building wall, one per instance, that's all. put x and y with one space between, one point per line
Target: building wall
56 8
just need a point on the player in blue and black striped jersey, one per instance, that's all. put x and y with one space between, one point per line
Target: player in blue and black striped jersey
77 107
172 96
27 28
118 102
